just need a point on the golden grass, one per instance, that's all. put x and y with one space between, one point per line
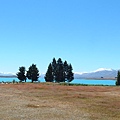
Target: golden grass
31 101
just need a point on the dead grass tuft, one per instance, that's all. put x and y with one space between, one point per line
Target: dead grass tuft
33 106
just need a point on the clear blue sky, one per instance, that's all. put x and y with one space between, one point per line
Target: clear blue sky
86 33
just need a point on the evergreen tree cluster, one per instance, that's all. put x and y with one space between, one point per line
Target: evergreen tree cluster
59 71
32 73
118 78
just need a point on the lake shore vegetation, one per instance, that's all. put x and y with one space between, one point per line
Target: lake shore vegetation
59 71
32 73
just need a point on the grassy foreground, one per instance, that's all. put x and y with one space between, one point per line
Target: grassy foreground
49 101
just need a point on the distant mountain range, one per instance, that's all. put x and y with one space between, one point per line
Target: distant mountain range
7 74
101 73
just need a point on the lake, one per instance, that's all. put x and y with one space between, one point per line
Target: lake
77 81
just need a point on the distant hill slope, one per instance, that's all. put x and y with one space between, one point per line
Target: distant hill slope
100 73
7 75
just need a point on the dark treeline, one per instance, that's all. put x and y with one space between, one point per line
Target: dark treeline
32 73
59 71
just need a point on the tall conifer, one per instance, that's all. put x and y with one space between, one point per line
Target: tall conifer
54 65
59 75
65 70
49 74
118 78
70 74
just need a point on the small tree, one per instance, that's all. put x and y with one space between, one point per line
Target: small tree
21 74
118 78
33 73
49 74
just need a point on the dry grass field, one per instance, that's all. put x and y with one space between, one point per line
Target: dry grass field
46 101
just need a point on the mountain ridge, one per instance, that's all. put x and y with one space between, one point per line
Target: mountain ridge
101 73
98 74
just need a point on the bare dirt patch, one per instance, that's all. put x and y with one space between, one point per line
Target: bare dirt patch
31 101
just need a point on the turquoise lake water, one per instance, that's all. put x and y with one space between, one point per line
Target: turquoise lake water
78 81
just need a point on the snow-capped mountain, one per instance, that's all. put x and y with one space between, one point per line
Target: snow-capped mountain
2 74
99 73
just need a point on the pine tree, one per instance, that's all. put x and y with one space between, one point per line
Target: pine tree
21 74
49 74
65 70
33 73
70 74
59 74
118 78
54 65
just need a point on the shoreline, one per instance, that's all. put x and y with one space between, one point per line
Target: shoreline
74 78
97 78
